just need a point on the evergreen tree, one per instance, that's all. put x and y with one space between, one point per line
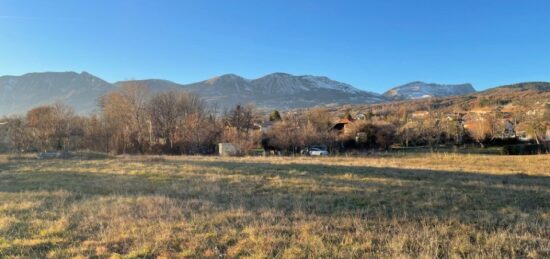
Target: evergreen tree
274 116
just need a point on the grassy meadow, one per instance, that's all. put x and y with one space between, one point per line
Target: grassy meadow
422 205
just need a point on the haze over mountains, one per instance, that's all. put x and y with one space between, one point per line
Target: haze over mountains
21 93
274 91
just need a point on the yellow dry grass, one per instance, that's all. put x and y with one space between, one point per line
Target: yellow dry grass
433 205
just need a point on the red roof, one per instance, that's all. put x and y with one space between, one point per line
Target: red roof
346 120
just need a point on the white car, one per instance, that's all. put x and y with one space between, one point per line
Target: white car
317 152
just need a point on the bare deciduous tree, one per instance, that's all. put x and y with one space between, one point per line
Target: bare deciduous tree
479 130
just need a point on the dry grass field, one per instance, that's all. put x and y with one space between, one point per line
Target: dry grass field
431 205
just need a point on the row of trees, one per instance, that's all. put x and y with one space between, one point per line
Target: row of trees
134 120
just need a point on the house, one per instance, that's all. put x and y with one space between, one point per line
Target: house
264 127
420 114
509 128
257 126
341 125
533 112
523 136
510 108
481 110
381 114
360 116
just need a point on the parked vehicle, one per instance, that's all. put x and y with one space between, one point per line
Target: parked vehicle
317 152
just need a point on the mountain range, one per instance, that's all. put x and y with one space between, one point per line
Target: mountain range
21 93
419 90
273 91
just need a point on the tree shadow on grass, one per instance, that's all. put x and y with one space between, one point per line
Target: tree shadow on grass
482 190
316 190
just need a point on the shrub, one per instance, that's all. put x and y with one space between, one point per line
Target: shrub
525 149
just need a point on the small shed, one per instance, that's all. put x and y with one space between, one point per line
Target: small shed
227 149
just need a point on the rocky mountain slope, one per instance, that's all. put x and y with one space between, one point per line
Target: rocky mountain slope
21 93
418 90
282 91
273 91
519 87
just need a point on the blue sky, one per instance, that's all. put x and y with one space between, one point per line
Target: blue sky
373 45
